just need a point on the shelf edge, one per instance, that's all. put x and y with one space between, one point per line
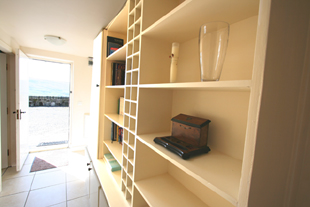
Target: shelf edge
209 185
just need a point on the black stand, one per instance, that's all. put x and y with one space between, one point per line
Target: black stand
180 148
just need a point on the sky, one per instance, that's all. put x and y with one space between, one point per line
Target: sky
49 78
44 70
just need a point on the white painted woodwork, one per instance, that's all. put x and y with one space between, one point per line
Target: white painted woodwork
102 199
116 150
2 142
3 115
239 105
119 54
215 170
22 104
116 118
160 190
11 104
95 96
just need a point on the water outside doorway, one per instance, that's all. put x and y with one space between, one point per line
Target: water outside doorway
49 112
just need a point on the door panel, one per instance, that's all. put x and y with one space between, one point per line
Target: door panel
95 96
3 92
22 102
102 199
93 188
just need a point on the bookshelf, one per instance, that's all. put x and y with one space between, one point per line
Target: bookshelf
152 175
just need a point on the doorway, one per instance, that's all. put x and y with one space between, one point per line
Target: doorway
49 105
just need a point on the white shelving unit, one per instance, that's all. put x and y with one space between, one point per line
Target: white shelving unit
214 170
152 175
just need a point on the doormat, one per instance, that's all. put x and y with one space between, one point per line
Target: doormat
52 143
50 159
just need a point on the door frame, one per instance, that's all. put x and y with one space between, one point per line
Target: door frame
71 94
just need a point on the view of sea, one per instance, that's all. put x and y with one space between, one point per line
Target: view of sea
48 88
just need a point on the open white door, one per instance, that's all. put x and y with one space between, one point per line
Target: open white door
4 136
95 96
22 103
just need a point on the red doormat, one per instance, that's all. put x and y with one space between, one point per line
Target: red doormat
50 159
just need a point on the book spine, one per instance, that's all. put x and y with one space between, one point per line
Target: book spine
121 136
112 132
118 106
114 65
115 132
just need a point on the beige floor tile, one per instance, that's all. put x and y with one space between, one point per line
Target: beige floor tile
48 170
12 173
79 202
47 196
48 179
77 159
76 189
77 173
15 200
64 204
16 185
30 158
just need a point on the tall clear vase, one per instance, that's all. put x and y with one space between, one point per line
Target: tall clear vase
213 41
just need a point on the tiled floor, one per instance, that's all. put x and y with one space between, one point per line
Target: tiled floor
58 187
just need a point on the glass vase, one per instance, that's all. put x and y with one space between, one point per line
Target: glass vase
213 41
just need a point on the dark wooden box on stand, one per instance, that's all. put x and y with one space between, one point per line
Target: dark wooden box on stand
189 136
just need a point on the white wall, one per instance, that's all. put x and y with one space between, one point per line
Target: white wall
81 89
7 44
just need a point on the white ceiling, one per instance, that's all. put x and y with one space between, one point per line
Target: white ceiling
77 21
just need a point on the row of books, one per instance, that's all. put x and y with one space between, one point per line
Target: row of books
116 133
112 163
118 74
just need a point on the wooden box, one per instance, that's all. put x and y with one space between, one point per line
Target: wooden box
190 129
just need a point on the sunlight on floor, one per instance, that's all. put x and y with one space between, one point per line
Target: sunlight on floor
66 186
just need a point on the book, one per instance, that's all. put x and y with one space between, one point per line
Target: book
114 166
120 110
118 74
113 44
120 134
112 163
116 133
112 132
108 157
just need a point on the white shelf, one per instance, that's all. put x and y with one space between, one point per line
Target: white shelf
110 182
133 70
116 86
134 117
116 150
129 188
164 190
171 27
132 147
241 85
215 170
119 54
136 53
132 101
116 118
130 175
131 161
